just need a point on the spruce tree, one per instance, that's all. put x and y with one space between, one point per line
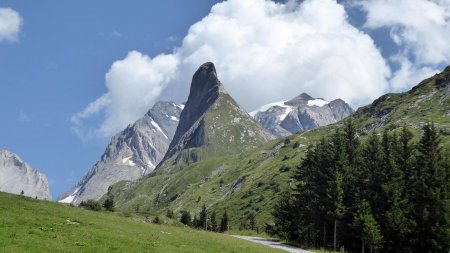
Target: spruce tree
196 222
186 218
296 215
430 195
224 222
367 227
213 222
203 222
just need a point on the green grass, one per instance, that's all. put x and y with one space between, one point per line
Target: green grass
29 225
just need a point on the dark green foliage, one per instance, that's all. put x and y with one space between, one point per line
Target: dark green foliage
296 145
196 222
383 194
91 205
157 220
170 214
213 225
431 195
367 227
108 204
203 219
186 218
224 223
287 141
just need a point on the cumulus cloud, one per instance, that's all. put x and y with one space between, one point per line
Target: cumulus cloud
421 29
263 52
133 84
408 74
10 23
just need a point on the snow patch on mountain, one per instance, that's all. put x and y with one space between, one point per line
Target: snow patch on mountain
159 128
300 114
131 154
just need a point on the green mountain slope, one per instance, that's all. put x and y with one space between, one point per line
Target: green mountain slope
29 225
250 182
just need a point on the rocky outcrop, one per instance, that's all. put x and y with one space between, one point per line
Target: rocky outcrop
131 154
300 114
17 177
212 120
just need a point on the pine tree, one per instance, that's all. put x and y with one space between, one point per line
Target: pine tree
286 223
430 195
367 227
196 222
251 221
392 211
186 218
295 216
213 222
108 204
340 166
224 222
203 218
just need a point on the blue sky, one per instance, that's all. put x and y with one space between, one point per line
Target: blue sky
55 65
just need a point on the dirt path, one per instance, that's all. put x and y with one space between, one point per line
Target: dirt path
272 243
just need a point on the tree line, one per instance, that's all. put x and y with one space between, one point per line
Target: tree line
386 193
206 221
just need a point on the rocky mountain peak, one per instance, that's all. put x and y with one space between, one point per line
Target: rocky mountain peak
131 154
210 118
17 176
204 91
301 99
301 113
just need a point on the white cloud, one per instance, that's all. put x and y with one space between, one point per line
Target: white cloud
408 74
134 85
10 23
420 27
263 52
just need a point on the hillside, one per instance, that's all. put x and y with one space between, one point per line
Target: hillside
30 225
250 182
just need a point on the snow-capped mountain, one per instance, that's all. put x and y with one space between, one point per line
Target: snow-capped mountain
300 114
131 154
17 176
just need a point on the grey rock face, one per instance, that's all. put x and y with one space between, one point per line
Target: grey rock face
212 119
300 114
131 154
17 176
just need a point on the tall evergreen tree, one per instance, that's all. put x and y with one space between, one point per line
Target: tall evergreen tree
430 195
186 218
367 227
213 222
203 219
224 222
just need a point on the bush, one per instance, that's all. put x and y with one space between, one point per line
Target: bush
157 220
91 205
186 218
108 204
170 214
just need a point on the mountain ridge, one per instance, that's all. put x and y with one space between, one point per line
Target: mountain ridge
131 154
300 113
17 176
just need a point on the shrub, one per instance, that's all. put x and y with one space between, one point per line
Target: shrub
91 204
